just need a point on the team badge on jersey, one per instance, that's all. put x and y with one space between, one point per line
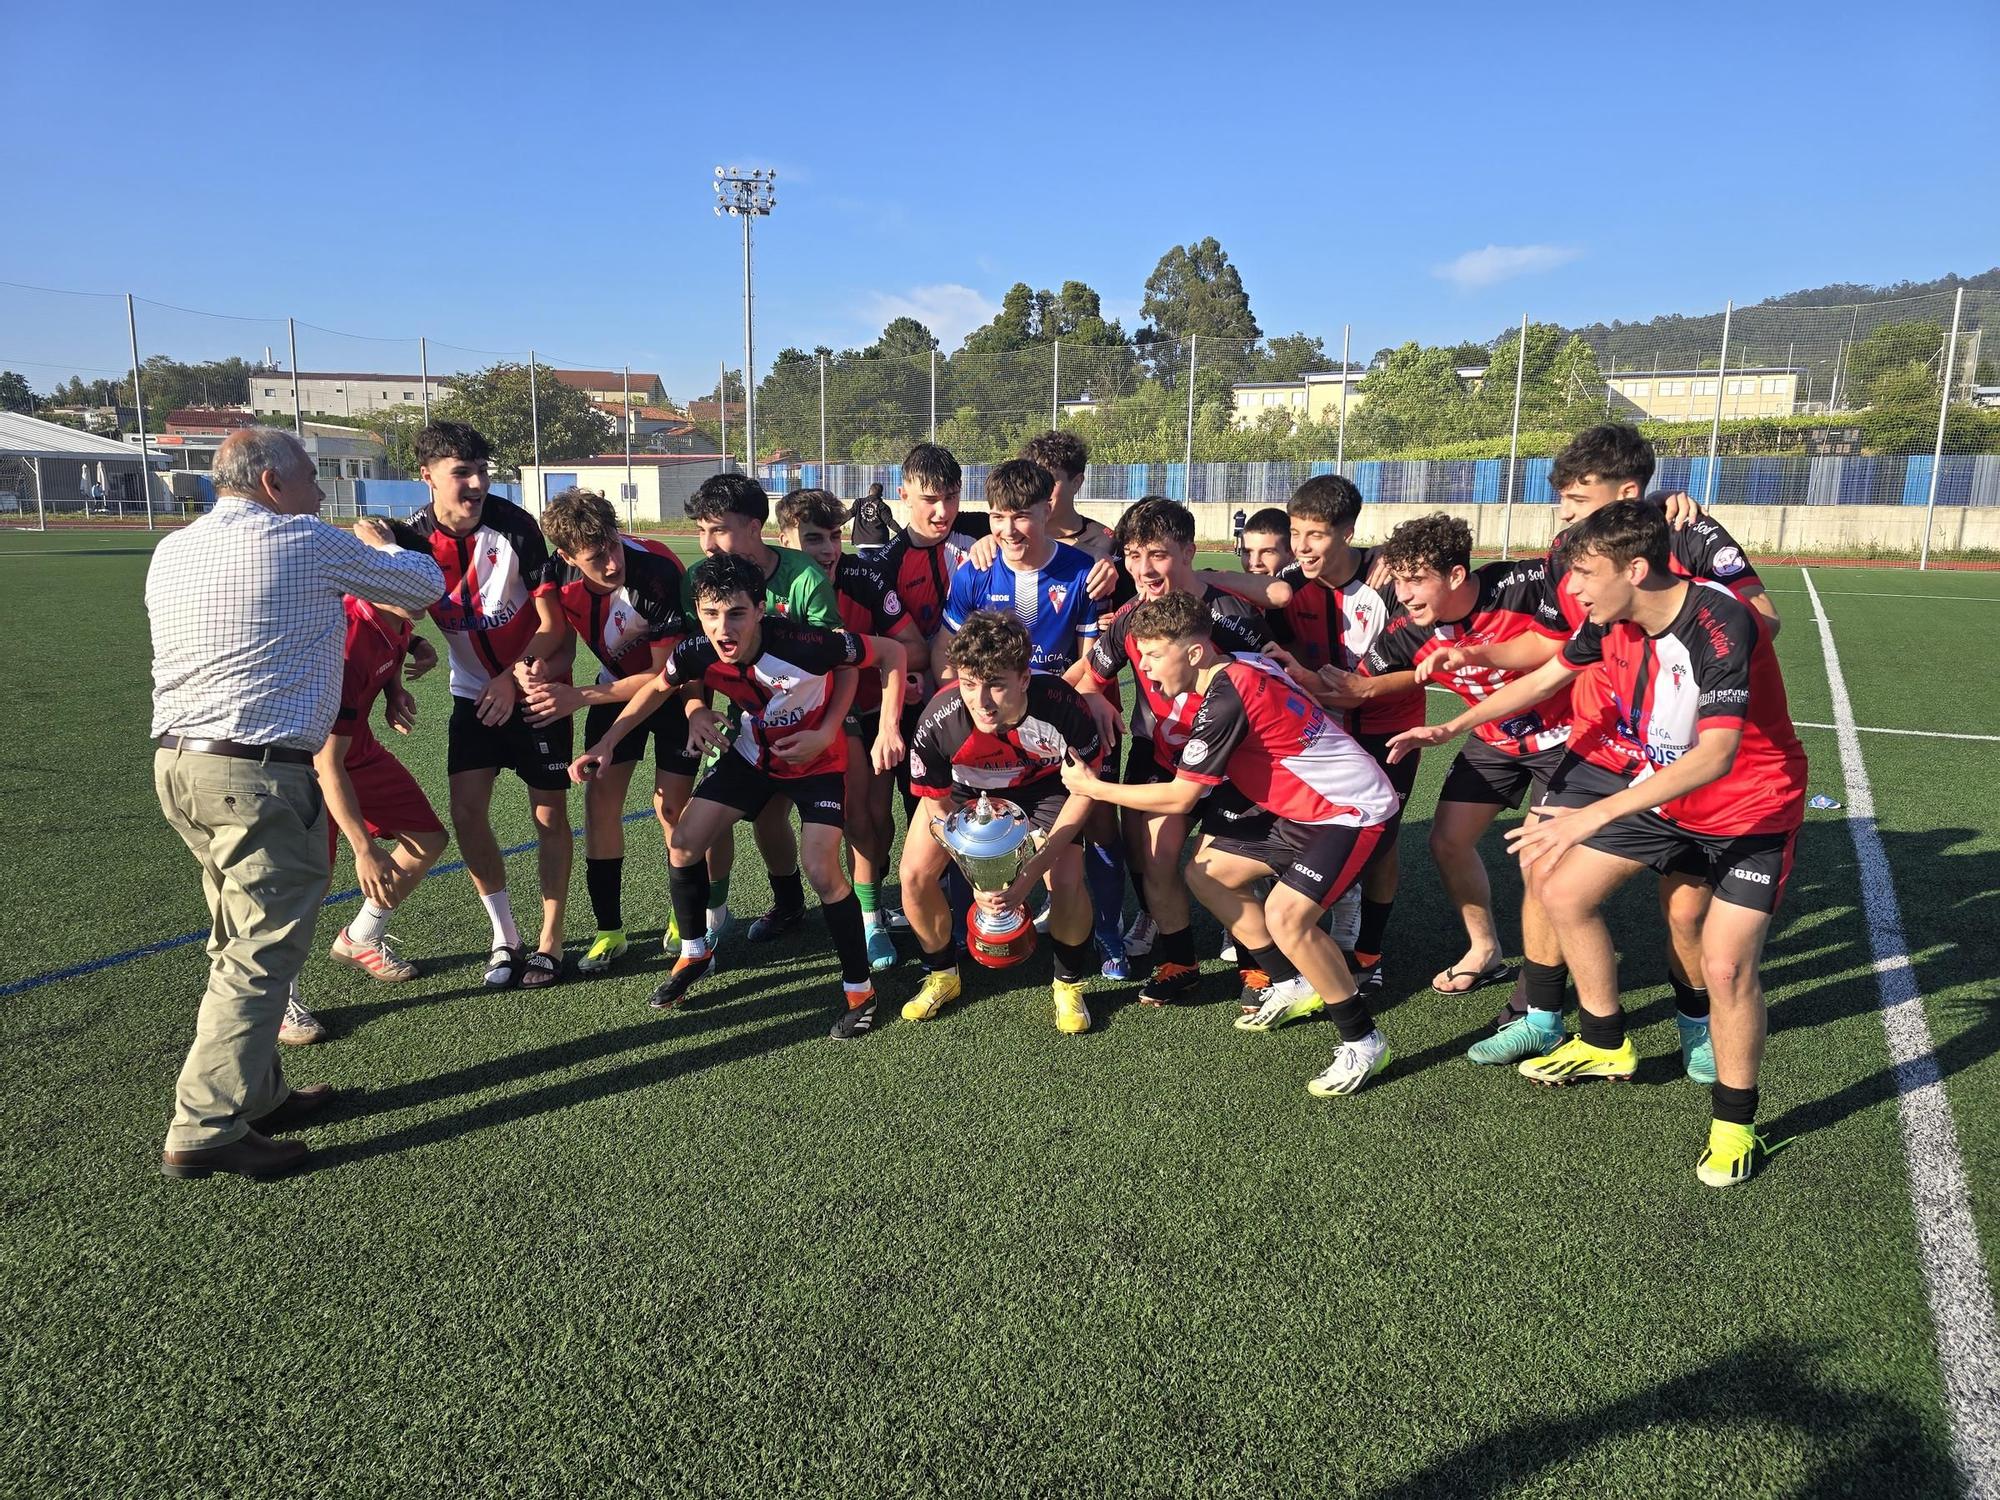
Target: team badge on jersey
1057 593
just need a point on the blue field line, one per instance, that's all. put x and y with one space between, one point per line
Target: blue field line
167 945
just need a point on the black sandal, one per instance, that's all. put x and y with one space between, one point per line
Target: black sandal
1493 973
541 970
506 962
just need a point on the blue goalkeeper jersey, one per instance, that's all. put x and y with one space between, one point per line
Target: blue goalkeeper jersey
1050 602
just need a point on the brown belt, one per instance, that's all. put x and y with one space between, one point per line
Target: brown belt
267 753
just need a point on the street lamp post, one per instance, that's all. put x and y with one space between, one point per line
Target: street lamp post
746 197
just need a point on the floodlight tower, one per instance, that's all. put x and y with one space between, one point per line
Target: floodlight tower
747 198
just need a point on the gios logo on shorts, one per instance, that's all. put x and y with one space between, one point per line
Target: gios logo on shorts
1309 872
1755 877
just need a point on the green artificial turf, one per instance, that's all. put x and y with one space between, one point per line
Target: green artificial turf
555 1244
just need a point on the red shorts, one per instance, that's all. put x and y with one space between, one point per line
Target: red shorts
391 801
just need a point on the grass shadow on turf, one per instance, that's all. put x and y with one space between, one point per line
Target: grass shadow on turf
1863 1442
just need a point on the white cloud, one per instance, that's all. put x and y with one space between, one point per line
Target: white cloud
948 310
1497 263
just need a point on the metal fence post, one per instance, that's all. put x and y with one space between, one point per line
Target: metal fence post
631 494
722 405
1715 423
423 373
1937 448
139 410
41 506
298 421
822 423
1514 444
535 422
1340 442
934 394
1055 387
1187 461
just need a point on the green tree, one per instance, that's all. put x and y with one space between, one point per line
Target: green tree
1289 357
1889 351
15 393
496 401
904 338
1194 290
1413 395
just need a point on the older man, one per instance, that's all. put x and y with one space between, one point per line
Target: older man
247 629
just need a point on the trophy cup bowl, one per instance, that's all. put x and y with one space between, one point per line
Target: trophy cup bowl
990 840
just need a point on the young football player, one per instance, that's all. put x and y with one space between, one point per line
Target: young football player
810 521
624 597
780 673
999 727
504 630
1303 803
1264 546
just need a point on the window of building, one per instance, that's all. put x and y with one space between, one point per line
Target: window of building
1270 398
1774 387
269 392
1640 389
407 395
329 468
1673 387
1704 388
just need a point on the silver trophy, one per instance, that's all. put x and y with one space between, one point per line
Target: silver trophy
991 840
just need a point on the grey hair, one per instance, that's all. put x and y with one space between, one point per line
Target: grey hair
244 456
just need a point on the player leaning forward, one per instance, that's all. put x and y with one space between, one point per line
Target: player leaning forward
1299 798
1695 702
780 673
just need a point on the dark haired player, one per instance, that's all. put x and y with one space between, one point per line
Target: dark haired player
810 520
1264 545
1066 458
1303 802
1334 617
504 631
780 673
998 727
624 597
1719 787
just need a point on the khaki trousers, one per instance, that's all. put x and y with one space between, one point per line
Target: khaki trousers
259 834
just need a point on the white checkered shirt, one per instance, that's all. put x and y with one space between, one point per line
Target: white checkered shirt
248 626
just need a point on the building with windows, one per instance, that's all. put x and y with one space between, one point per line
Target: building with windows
1313 397
339 393
192 436
607 387
1689 395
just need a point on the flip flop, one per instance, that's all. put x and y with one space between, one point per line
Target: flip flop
504 961
541 970
1492 974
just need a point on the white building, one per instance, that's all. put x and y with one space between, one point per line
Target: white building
339 393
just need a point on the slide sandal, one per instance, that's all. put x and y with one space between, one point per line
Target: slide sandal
1492 974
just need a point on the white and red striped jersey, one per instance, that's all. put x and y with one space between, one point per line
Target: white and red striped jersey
492 576
782 689
1237 627
1257 730
621 626
1713 667
1328 626
1513 600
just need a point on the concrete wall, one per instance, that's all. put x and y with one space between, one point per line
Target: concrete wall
339 398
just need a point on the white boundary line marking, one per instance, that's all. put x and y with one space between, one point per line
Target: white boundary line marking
1922 734
1913 595
1961 1298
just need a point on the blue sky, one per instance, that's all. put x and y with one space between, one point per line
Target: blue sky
507 175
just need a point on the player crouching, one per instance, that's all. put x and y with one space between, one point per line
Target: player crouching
1298 798
1001 729
780 672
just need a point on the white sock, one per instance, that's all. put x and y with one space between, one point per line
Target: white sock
694 947
1288 989
500 912
870 921
718 918
369 924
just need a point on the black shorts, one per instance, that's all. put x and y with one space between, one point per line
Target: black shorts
1748 870
865 726
540 757
749 789
1576 782
1321 861
1482 774
1041 800
667 729
1142 767
1402 775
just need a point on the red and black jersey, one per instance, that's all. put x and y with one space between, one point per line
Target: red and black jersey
376 644
622 626
1328 626
1236 625
1258 731
492 576
1700 549
868 605
782 689
1712 668
1513 600
948 751
921 576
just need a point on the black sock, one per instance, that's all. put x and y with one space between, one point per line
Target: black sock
605 880
1737 1106
1074 960
1374 927
1691 1002
689 886
850 939
1607 1032
944 959
1175 947
788 893
1543 985
1274 963
1352 1018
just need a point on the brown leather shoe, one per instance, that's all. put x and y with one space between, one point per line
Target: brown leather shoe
252 1156
300 1105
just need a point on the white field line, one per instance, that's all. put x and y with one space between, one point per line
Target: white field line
1922 734
1961 1298
1910 594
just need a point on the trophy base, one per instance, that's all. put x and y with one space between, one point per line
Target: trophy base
1002 947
